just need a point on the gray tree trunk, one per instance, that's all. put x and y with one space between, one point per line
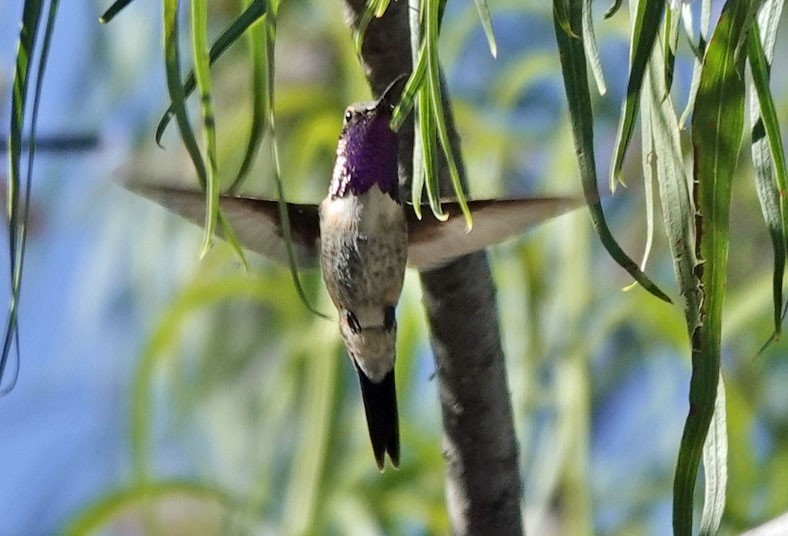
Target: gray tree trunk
483 489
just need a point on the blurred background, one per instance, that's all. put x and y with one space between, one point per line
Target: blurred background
161 392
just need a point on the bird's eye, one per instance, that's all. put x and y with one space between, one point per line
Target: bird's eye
390 318
352 322
348 116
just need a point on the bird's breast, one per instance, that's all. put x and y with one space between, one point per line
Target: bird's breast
363 248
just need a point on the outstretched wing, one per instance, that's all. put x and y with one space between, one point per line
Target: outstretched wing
432 244
255 222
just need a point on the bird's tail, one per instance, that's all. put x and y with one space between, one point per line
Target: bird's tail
380 405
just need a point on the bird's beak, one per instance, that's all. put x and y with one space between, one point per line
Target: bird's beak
392 93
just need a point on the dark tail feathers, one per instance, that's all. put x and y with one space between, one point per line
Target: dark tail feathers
380 405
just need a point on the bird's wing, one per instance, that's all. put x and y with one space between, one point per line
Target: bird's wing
255 222
432 243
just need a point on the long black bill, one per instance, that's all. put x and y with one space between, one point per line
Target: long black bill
380 405
393 92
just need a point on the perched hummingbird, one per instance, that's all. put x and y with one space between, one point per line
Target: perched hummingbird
364 237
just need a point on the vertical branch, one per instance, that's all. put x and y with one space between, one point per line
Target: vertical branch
483 487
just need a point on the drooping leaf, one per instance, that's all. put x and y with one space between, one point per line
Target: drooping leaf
589 40
767 149
717 126
113 10
18 209
202 73
644 34
715 467
253 13
435 81
699 49
614 7
484 15
270 43
573 67
256 38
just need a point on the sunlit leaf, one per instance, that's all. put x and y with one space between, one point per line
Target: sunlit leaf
699 49
717 126
253 13
256 38
573 67
768 155
18 215
589 40
715 467
644 34
113 10
484 15
202 72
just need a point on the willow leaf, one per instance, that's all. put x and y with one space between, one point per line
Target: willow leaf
435 82
253 12
176 90
644 34
256 38
284 214
573 67
18 216
699 49
670 44
202 72
715 467
484 15
717 126
614 7
113 10
677 211
589 39
767 150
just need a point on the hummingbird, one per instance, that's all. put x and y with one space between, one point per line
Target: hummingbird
363 236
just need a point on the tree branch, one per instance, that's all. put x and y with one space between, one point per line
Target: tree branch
483 486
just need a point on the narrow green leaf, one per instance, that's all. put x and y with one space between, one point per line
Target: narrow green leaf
176 90
411 89
373 9
715 467
18 216
717 125
667 158
202 72
644 34
253 13
434 89
429 165
410 93
670 44
113 10
484 15
589 39
284 215
768 155
561 16
256 39
649 177
573 67
614 7
699 49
